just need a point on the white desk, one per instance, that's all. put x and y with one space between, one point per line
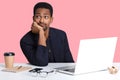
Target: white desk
25 75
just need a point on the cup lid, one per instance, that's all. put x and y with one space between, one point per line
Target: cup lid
9 54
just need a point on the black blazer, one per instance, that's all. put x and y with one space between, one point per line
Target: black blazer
38 54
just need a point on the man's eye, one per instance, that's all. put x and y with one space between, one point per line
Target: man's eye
38 17
46 17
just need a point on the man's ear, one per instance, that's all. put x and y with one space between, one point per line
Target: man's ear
33 18
51 20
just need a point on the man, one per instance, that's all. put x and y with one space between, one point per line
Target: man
44 44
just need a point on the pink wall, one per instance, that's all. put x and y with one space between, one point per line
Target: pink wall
81 19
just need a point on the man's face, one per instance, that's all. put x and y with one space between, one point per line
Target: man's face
43 18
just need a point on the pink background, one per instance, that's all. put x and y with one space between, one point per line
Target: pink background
80 19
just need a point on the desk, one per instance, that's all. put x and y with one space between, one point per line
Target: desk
25 75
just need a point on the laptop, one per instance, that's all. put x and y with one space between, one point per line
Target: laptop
93 55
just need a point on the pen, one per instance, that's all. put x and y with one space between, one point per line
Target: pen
19 67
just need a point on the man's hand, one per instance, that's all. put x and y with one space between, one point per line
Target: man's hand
36 28
39 30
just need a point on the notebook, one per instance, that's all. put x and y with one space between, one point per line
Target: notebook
17 69
93 55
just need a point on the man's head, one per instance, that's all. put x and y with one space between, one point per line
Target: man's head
43 14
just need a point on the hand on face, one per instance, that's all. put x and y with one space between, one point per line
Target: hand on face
112 70
36 28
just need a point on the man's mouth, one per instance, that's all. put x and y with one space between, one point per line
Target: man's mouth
42 25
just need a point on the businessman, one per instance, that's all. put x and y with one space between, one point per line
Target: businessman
44 44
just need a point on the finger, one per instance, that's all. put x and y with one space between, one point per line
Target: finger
33 24
31 27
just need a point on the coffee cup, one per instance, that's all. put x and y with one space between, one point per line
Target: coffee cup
9 59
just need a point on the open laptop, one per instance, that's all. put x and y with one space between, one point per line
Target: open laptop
93 55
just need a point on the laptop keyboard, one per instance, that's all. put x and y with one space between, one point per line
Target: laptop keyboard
67 68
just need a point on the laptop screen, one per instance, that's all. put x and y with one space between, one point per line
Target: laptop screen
95 54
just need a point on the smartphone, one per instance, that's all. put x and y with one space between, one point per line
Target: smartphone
35 70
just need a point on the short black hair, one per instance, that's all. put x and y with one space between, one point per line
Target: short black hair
44 5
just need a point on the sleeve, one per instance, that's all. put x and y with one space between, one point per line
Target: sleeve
68 56
35 55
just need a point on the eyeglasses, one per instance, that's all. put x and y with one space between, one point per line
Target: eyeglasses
37 72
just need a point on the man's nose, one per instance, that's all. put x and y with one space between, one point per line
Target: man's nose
41 20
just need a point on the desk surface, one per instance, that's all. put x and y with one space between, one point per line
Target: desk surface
25 75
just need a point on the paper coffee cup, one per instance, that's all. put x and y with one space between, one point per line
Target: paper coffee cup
9 59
